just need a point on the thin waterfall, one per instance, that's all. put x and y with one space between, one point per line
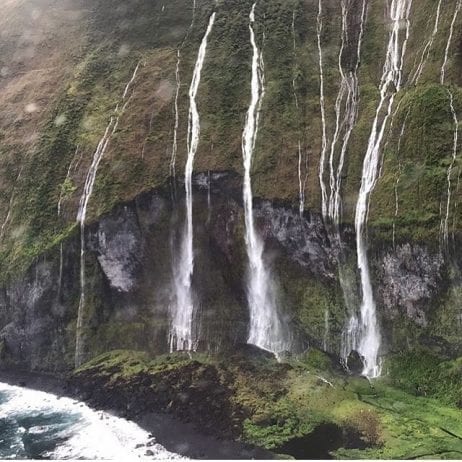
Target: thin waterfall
177 96
10 204
267 328
398 178
83 205
448 43
451 166
428 46
322 161
369 335
445 222
68 175
346 112
301 181
181 335
347 97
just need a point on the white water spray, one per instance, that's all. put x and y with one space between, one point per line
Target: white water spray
182 311
267 329
369 335
83 205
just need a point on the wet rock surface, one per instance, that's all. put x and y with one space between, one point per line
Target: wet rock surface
129 263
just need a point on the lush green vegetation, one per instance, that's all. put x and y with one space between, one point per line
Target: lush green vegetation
275 404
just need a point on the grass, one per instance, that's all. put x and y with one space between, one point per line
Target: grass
277 403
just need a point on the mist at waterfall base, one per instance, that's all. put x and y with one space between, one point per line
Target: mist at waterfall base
38 425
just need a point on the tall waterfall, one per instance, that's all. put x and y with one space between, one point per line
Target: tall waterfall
182 311
445 220
302 165
84 201
390 84
177 96
267 328
334 152
347 97
322 161
455 144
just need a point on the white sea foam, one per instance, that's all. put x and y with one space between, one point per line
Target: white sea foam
83 432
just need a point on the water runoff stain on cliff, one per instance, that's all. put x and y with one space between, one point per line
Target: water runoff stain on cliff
182 310
85 199
368 333
267 327
38 425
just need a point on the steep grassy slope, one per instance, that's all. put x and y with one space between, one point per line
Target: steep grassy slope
64 73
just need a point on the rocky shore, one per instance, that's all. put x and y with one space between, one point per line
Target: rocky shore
176 436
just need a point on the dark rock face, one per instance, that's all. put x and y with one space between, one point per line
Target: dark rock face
355 363
129 263
410 279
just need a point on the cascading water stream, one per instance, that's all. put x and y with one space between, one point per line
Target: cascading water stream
369 335
428 46
267 328
398 178
347 97
61 194
10 205
346 111
301 181
177 96
322 161
448 43
83 205
445 220
181 335
451 168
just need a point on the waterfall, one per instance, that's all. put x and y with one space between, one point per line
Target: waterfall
398 178
267 328
347 97
182 311
301 181
346 112
61 193
428 46
390 84
448 43
177 96
444 222
84 201
322 161
451 166
10 204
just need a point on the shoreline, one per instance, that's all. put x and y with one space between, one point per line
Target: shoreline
175 436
